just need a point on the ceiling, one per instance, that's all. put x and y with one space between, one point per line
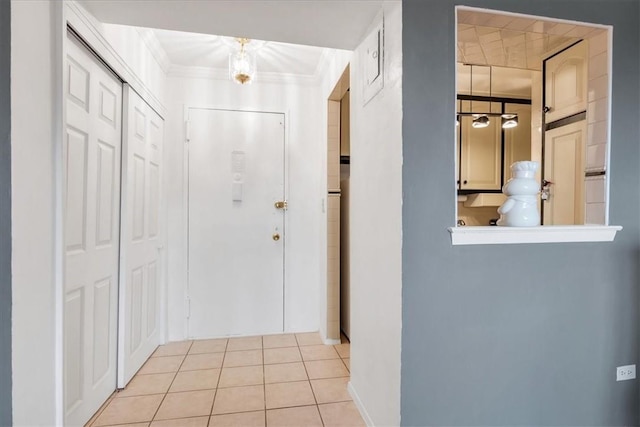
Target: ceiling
514 41
210 51
339 24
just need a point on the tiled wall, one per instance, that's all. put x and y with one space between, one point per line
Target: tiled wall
594 200
333 267
333 146
333 221
596 144
345 141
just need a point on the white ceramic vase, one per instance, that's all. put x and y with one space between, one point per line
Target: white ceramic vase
521 207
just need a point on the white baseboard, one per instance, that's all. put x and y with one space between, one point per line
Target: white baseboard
359 405
328 341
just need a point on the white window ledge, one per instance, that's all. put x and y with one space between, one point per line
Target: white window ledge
495 235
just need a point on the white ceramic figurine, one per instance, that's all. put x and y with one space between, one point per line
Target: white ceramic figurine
521 207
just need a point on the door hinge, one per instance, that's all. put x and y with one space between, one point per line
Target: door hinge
187 130
187 307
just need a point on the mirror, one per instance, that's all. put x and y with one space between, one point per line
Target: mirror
562 118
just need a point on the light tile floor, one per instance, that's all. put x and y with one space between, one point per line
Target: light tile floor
271 380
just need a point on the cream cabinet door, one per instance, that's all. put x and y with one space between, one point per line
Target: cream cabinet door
564 169
566 83
517 140
480 151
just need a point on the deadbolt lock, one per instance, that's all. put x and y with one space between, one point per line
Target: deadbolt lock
281 204
276 236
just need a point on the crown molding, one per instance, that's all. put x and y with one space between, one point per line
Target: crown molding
323 63
149 38
182 71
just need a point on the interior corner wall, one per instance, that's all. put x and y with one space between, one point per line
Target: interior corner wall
376 231
5 213
526 334
35 35
301 106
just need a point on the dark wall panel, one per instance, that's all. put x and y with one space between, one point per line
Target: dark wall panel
514 334
5 213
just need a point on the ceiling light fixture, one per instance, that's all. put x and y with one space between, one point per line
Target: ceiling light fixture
509 121
480 119
242 64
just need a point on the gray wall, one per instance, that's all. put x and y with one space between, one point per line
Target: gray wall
5 214
513 334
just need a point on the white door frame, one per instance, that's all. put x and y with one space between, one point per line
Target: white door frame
87 28
185 192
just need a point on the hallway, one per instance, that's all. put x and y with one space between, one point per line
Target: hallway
274 380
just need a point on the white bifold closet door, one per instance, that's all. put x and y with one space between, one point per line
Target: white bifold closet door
91 164
140 257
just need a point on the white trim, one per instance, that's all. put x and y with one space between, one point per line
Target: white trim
607 155
59 129
358 402
530 15
285 220
540 234
193 72
546 234
185 210
329 341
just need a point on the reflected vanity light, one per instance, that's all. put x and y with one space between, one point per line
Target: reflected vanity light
509 121
481 120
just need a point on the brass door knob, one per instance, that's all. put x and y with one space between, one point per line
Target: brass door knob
276 236
281 204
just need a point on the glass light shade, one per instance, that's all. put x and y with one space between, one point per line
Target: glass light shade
480 122
509 121
242 67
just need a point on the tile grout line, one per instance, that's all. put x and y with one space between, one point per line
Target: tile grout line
100 410
310 386
116 392
264 383
263 364
215 397
169 388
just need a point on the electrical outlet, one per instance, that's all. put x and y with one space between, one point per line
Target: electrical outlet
627 372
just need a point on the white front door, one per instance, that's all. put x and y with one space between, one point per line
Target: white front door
236 234
91 151
564 170
141 237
